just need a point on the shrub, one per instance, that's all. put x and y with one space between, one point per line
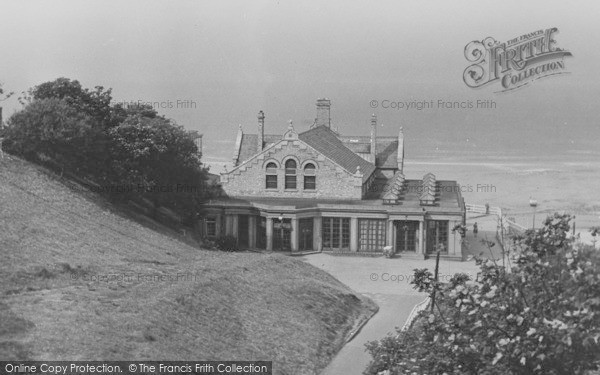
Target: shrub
226 243
540 315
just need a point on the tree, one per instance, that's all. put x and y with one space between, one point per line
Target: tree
540 315
51 129
161 158
94 103
5 95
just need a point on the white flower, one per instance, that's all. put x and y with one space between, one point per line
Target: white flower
497 358
519 320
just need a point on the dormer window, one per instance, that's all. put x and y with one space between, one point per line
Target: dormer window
271 176
310 180
290 174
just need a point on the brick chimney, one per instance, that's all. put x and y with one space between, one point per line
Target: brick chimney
400 157
261 131
374 139
323 112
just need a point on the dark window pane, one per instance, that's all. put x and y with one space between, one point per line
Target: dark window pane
271 182
310 183
290 182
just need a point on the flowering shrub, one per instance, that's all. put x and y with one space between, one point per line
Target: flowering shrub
539 315
388 251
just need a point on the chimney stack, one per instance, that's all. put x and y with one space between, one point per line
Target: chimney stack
400 158
261 131
323 112
374 139
1 123
198 142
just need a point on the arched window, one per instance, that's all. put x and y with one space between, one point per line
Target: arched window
310 180
290 174
271 179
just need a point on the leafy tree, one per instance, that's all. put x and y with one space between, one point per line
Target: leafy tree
539 315
94 103
72 128
5 95
51 129
160 158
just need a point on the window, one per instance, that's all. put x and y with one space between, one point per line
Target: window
271 179
437 236
310 180
336 233
290 174
371 235
406 235
211 227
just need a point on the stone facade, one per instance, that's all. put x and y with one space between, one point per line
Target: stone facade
332 181
337 210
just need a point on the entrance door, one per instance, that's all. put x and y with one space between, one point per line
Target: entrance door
243 234
282 239
406 235
305 234
437 236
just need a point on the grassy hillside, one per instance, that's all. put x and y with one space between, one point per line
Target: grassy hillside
80 281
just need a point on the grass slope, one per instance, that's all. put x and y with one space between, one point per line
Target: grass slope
165 300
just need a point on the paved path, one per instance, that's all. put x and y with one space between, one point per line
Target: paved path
487 225
387 282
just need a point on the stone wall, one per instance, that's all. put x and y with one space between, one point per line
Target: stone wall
332 181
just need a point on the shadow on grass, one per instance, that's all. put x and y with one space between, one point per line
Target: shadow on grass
12 327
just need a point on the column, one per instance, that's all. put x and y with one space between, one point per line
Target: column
228 224
252 232
353 234
451 244
317 235
270 233
219 229
234 225
294 235
390 233
422 237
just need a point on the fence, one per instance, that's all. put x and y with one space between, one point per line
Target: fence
414 312
506 226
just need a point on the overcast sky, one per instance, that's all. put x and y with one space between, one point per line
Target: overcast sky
230 59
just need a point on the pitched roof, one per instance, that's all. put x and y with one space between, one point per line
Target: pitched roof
387 148
325 141
249 145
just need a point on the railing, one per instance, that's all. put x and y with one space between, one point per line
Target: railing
483 209
414 312
505 225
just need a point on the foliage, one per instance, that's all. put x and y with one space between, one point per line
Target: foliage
159 157
388 251
94 103
5 95
142 154
540 315
52 129
226 243
461 229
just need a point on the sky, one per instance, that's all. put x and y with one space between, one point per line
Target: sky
212 65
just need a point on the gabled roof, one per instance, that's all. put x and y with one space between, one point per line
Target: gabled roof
249 145
387 148
325 141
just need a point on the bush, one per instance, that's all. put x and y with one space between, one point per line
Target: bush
540 315
227 243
